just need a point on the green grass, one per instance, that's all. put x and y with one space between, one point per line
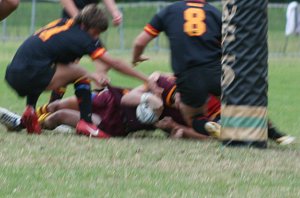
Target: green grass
57 165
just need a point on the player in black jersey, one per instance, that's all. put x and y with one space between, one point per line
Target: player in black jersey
45 61
72 8
7 7
194 32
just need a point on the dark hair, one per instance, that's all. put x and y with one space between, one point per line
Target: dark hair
91 16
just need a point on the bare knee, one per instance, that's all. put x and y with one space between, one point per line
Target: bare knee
12 4
54 120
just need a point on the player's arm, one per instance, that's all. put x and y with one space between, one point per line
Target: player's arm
120 66
70 7
139 95
7 7
151 30
139 46
114 11
67 103
179 131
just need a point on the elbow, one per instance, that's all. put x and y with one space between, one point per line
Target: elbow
13 4
124 100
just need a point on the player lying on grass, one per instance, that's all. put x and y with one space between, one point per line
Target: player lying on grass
194 33
113 113
209 122
47 61
109 113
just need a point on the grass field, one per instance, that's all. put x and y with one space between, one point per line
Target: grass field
57 165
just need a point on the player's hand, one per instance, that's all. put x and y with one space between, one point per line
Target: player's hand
100 79
117 18
152 87
166 123
138 60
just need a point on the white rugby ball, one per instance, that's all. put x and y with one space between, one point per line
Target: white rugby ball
145 114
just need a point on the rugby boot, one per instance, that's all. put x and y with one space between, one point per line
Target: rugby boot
285 140
213 129
10 120
30 121
89 129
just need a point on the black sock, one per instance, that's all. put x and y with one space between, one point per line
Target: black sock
199 123
273 132
31 100
57 94
83 93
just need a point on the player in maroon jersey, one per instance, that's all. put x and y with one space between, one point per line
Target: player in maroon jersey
118 120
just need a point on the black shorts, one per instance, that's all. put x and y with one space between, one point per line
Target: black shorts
195 84
29 80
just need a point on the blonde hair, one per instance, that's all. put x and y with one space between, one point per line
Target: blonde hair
91 16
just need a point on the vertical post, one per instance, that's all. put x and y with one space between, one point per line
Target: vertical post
33 12
121 31
245 73
4 30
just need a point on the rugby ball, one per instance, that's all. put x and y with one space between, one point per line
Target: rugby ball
145 114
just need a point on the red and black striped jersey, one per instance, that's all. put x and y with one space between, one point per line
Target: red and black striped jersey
194 32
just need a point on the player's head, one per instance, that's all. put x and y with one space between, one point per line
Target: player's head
92 17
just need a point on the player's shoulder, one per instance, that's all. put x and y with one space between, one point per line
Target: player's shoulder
212 8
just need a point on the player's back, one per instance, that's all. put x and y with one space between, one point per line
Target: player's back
106 104
194 32
60 41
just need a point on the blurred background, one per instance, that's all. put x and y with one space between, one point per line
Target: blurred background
33 14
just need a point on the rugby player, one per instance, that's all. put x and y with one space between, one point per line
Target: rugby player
211 119
118 120
194 32
72 8
45 61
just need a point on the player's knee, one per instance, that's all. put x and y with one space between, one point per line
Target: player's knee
58 116
13 4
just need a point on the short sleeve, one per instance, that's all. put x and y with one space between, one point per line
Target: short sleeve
96 49
156 25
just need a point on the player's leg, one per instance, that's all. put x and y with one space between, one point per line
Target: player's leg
10 120
67 117
57 94
278 136
67 103
30 82
72 73
29 118
71 118
194 86
7 7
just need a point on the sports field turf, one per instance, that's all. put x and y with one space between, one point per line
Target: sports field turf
57 165
149 164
